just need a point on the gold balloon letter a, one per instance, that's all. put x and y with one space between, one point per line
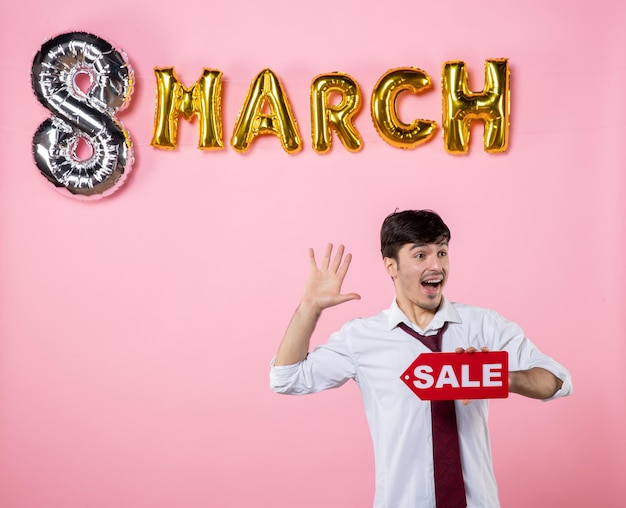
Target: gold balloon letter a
202 99
266 91
325 114
461 106
385 114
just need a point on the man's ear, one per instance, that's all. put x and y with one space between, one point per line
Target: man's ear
391 267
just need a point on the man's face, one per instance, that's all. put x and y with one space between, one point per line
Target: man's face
420 274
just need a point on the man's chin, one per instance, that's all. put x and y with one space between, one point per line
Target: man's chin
432 302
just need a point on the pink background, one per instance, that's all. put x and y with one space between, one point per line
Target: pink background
136 331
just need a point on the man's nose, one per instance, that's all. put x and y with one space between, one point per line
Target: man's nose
434 263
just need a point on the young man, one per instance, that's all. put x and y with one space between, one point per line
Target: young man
375 351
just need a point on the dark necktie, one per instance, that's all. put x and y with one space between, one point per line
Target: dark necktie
449 487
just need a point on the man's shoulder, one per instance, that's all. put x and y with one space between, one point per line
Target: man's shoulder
378 320
483 316
466 307
466 310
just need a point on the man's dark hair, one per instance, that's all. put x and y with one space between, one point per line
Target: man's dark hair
411 226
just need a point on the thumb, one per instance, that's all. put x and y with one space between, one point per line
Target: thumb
349 296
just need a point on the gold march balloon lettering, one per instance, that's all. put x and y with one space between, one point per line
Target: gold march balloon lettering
267 109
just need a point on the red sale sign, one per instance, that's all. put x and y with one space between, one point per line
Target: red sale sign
456 376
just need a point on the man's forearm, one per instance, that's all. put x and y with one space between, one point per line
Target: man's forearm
295 344
536 383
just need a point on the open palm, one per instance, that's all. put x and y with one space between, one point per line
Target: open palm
323 287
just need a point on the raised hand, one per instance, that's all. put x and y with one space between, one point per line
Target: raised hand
323 287
322 290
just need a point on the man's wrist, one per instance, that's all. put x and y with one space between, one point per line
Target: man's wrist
309 310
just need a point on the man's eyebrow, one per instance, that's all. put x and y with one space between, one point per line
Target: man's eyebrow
417 245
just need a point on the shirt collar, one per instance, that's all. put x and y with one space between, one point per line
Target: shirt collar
446 312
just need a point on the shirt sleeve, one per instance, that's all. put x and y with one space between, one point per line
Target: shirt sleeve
328 366
524 355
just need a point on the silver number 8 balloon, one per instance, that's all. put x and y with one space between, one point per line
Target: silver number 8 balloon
82 117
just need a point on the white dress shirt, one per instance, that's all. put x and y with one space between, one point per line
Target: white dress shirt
374 352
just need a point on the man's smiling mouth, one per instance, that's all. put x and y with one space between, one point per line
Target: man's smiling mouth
432 284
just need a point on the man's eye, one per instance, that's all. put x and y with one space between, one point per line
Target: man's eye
419 255
443 253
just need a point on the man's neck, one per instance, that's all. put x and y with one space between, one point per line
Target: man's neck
418 315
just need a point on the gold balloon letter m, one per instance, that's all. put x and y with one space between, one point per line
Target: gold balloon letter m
461 106
202 99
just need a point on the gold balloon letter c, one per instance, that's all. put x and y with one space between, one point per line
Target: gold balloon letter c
385 114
